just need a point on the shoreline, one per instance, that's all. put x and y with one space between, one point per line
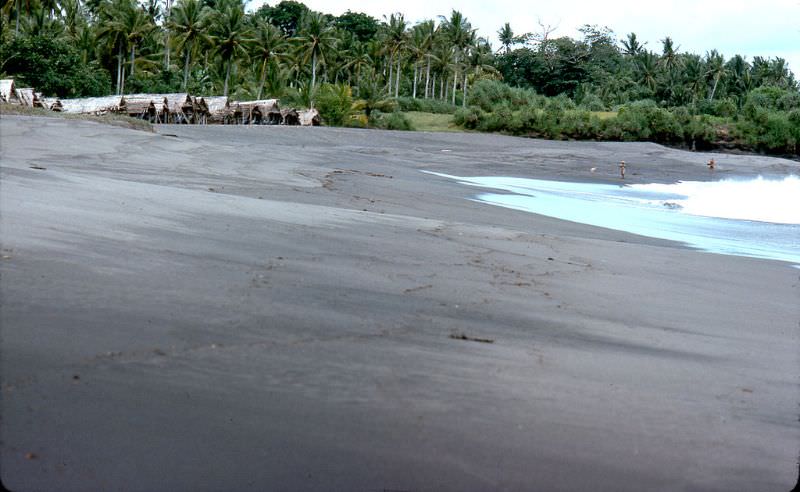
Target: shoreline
302 309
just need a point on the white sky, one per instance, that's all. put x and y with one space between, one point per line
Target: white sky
768 28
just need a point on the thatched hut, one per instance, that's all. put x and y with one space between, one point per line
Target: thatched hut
39 101
94 105
258 112
290 117
219 109
26 97
156 108
8 92
310 117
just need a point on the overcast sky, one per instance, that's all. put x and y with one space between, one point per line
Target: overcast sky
768 28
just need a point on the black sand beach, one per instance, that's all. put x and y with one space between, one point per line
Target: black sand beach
279 308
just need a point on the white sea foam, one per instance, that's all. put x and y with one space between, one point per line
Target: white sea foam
756 217
760 199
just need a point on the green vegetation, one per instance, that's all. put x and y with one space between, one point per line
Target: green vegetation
432 122
389 72
768 122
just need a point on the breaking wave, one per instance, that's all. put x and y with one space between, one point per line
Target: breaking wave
749 217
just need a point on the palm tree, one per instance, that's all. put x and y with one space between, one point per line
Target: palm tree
316 38
360 58
715 70
189 21
694 76
646 66
632 46
167 32
137 26
461 35
428 31
74 17
417 48
50 7
506 37
670 59
86 42
230 37
742 80
443 56
779 72
270 44
114 33
372 95
396 40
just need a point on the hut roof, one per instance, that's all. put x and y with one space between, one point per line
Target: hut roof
7 92
48 102
217 103
309 117
157 99
263 105
92 105
26 96
138 103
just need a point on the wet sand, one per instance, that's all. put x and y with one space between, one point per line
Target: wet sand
275 308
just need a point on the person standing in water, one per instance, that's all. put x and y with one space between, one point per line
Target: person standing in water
622 169
711 165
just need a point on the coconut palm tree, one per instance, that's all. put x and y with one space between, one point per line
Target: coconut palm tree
269 44
316 38
779 72
189 21
113 32
460 34
74 17
694 76
670 59
372 95
428 32
443 57
506 37
646 64
715 70
231 38
417 50
396 40
50 7
137 25
359 58
631 46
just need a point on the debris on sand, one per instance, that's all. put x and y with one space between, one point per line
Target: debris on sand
462 336
421 287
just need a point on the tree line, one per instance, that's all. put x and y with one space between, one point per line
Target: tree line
216 46
352 61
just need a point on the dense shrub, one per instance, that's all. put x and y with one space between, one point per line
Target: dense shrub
592 102
766 96
390 121
771 131
335 103
487 94
53 67
468 117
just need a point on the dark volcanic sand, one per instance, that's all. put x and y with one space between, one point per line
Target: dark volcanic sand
271 308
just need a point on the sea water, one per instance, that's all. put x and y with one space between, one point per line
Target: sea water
749 217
